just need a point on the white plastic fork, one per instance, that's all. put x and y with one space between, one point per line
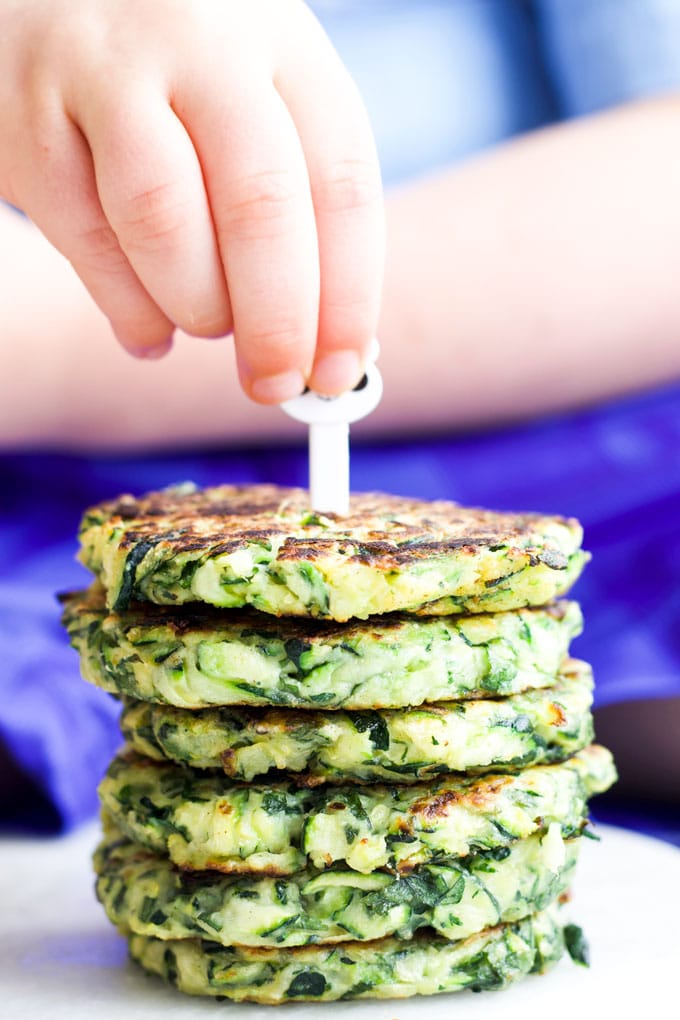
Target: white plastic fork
329 419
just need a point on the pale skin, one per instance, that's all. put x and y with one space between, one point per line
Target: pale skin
182 164
194 185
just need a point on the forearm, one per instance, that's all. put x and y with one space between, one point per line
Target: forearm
539 276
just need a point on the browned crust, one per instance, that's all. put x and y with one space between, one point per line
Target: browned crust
478 795
380 530
234 868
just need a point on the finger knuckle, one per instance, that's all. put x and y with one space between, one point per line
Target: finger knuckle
153 219
349 185
259 203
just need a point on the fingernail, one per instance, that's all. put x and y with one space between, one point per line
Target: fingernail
336 372
274 389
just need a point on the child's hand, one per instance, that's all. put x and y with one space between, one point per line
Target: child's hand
205 164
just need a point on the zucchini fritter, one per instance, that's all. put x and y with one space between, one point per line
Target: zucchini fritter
394 745
234 546
146 894
194 657
388 968
204 821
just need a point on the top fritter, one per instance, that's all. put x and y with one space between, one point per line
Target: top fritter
261 546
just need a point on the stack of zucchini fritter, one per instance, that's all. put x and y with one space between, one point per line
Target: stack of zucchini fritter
358 758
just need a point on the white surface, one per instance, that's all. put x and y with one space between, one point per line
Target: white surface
60 959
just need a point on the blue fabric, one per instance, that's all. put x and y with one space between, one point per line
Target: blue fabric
441 80
605 52
444 79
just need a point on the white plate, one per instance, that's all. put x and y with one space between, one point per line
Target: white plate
61 960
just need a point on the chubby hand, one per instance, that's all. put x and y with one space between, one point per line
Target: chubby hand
203 164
